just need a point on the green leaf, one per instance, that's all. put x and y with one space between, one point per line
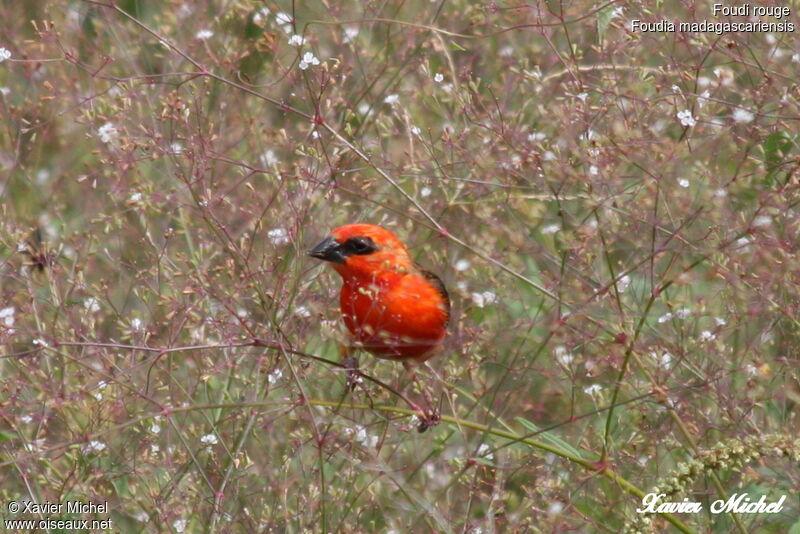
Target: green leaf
777 147
547 436
484 461
604 18
455 46
121 486
7 436
795 529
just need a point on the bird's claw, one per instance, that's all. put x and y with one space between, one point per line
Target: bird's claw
353 373
428 420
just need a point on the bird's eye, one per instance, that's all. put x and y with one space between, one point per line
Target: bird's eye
360 245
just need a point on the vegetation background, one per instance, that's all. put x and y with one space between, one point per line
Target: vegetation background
614 212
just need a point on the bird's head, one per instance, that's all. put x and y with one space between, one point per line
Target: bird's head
361 249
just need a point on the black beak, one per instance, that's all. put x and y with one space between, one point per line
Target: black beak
328 250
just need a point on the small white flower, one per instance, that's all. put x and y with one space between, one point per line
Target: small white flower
563 356
25 419
707 335
366 439
204 34
555 507
549 155
260 15
582 96
550 229
274 376
743 116
425 192
209 439
683 313
176 148
136 324
179 525
795 58
483 299
108 133
683 182
361 435
7 315
268 158
447 88
35 446
302 311
720 193
762 220
686 118
483 450
93 446
350 34
462 265
154 448
720 321
663 360
308 60
40 342
743 244
297 40
155 428
593 390
283 19
438 77
5 91
664 318
751 369
617 12
391 99
725 75
278 236
135 197
5 54
415 130
97 395
623 283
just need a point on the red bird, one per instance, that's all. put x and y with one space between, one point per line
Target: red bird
392 308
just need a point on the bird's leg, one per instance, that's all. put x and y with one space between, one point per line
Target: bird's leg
350 363
429 417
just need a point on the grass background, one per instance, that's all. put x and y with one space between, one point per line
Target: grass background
613 212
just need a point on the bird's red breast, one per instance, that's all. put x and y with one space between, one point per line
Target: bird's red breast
392 308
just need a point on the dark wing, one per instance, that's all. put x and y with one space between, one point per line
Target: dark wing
439 285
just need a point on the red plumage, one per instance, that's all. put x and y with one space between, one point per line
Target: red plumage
392 308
